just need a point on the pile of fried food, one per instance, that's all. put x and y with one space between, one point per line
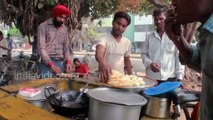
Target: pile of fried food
118 79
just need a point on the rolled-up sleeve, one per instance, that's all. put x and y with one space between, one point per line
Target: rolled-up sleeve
102 42
193 62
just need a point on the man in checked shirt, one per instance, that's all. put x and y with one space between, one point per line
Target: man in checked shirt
53 44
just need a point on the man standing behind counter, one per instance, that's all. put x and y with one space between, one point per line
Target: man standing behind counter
113 50
53 44
159 54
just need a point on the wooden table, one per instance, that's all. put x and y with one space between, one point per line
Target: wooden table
13 108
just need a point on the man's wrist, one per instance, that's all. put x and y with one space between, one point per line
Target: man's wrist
68 61
50 64
102 64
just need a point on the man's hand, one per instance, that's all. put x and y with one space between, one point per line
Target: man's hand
173 29
103 72
68 68
55 69
155 67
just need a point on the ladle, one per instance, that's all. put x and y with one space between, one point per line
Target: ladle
78 99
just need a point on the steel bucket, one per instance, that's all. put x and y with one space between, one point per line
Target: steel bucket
114 104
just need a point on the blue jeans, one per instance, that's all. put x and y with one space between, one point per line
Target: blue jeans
46 72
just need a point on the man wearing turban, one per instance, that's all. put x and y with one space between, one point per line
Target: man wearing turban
53 44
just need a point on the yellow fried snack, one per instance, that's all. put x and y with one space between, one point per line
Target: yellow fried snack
115 74
118 79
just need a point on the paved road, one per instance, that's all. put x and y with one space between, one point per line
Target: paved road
135 58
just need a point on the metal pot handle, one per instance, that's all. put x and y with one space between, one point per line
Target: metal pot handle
48 89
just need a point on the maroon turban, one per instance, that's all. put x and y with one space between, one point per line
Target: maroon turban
60 10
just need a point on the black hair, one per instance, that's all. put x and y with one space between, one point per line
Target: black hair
159 11
76 60
122 14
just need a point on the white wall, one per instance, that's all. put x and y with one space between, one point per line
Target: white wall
139 20
139 36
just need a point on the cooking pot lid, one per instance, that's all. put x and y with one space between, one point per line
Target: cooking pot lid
162 88
117 96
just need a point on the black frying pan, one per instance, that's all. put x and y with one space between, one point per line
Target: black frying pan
63 102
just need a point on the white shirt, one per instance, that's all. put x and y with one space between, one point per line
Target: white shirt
3 43
165 54
116 51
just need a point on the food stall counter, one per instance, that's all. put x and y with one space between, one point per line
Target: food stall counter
12 108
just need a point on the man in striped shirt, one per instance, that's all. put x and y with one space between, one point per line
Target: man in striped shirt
53 44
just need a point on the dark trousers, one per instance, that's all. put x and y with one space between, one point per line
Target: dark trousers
168 80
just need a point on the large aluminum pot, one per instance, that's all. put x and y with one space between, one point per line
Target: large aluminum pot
158 107
114 104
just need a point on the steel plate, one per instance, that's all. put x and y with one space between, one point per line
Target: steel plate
148 84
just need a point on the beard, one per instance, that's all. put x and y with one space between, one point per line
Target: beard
57 23
117 32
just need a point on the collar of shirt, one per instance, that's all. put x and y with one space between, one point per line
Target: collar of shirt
209 24
50 21
156 34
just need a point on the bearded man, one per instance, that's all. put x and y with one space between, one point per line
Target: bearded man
53 44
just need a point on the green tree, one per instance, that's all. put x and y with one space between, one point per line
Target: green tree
14 31
28 14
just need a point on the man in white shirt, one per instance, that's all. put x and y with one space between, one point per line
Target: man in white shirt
113 50
159 54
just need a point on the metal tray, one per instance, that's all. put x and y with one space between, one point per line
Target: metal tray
137 89
94 81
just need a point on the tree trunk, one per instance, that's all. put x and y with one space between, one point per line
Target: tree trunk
192 80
